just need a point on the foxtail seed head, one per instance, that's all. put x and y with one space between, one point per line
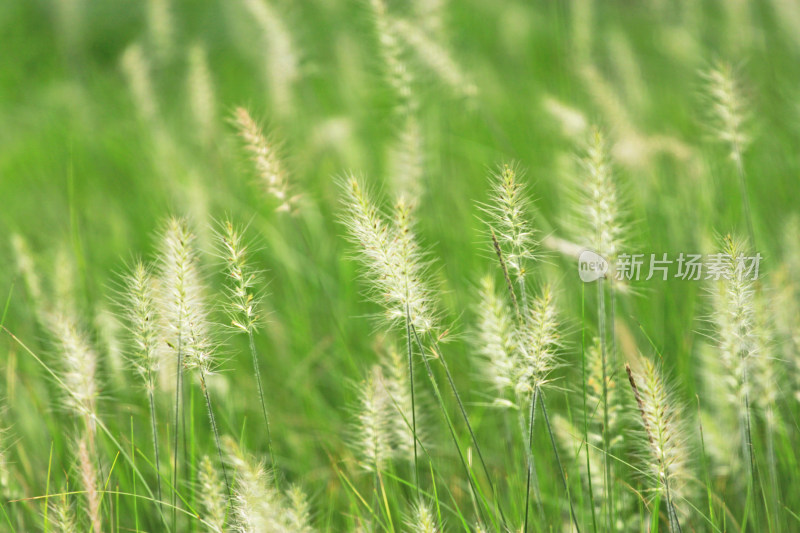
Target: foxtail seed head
183 300
733 299
662 428
374 433
539 343
257 506
600 209
728 109
422 519
241 278
264 155
79 366
391 257
212 496
508 218
496 341
140 307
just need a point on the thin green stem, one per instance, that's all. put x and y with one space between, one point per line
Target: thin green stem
449 422
558 460
748 216
452 383
413 400
216 431
705 464
178 388
585 410
509 285
254 354
529 453
773 472
154 428
674 523
601 321
748 443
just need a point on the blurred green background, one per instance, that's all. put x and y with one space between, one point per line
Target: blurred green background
89 171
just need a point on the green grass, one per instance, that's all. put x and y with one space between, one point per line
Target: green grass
88 182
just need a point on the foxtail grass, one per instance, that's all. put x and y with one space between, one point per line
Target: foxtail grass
62 515
243 302
78 370
601 229
734 294
436 57
257 506
183 309
264 154
137 70
535 334
507 212
140 307
728 114
422 519
665 439
374 438
87 475
393 265
212 496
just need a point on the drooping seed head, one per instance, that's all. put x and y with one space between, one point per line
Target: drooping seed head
435 57
398 74
282 59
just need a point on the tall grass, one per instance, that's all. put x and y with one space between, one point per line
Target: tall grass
409 346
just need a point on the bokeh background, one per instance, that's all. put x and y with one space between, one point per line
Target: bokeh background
116 115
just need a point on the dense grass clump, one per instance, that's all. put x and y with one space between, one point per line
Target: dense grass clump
274 266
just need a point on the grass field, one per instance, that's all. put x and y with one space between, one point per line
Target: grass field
314 266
